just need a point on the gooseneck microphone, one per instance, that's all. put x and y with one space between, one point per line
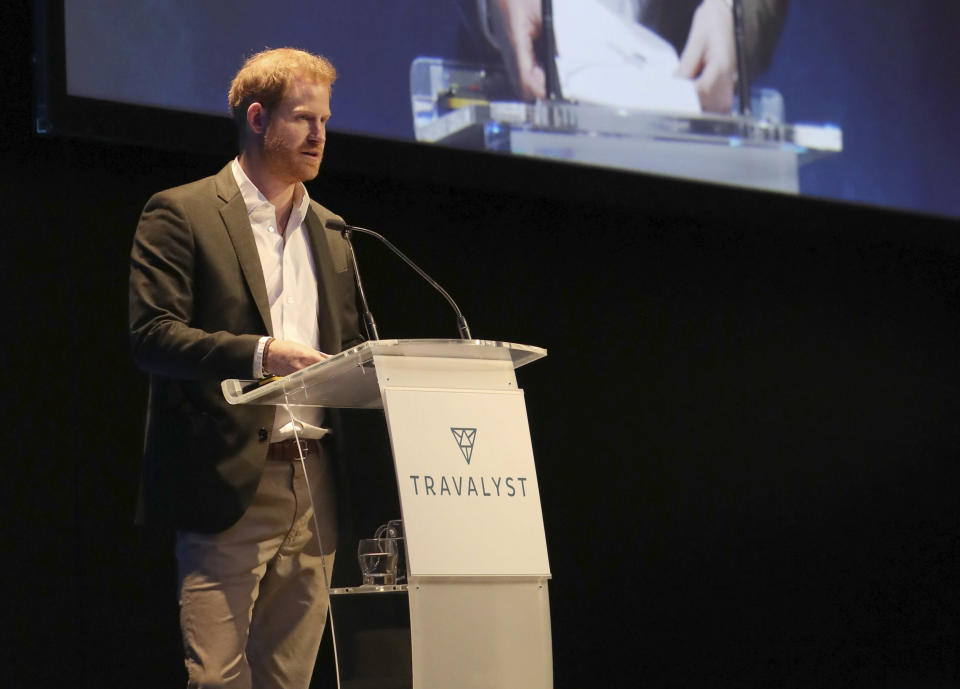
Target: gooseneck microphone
743 73
549 51
346 230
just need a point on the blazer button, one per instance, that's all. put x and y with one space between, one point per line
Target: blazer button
262 433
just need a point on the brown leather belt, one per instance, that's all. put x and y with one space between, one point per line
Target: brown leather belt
287 450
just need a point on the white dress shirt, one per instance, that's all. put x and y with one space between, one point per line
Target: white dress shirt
291 281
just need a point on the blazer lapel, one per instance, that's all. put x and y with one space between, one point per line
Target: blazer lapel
327 312
237 222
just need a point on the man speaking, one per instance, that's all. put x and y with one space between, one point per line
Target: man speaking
235 276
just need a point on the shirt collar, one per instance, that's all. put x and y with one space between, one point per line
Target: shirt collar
253 198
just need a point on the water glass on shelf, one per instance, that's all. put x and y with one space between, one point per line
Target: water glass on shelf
378 561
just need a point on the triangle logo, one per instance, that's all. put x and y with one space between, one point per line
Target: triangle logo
465 437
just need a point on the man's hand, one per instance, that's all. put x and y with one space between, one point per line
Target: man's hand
287 356
516 24
710 56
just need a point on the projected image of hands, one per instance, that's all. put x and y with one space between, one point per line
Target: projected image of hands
658 54
645 85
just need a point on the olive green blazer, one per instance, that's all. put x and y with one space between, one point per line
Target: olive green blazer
198 306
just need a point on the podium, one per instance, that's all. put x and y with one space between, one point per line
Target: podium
476 596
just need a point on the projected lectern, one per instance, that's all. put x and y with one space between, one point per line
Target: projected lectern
476 556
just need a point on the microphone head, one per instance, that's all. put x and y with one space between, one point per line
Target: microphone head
337 224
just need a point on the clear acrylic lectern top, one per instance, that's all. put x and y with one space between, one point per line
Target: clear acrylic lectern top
347 380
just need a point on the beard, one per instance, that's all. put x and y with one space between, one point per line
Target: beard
286 159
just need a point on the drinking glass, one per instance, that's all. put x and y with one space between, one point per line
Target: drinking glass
378 561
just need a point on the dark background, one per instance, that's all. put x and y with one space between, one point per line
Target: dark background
746 427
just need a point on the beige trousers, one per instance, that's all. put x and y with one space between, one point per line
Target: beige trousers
253 598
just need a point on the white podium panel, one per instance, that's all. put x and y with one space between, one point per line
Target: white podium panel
467 483
486 634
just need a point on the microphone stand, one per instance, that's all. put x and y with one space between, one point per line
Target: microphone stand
550 51
743 73
368 322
